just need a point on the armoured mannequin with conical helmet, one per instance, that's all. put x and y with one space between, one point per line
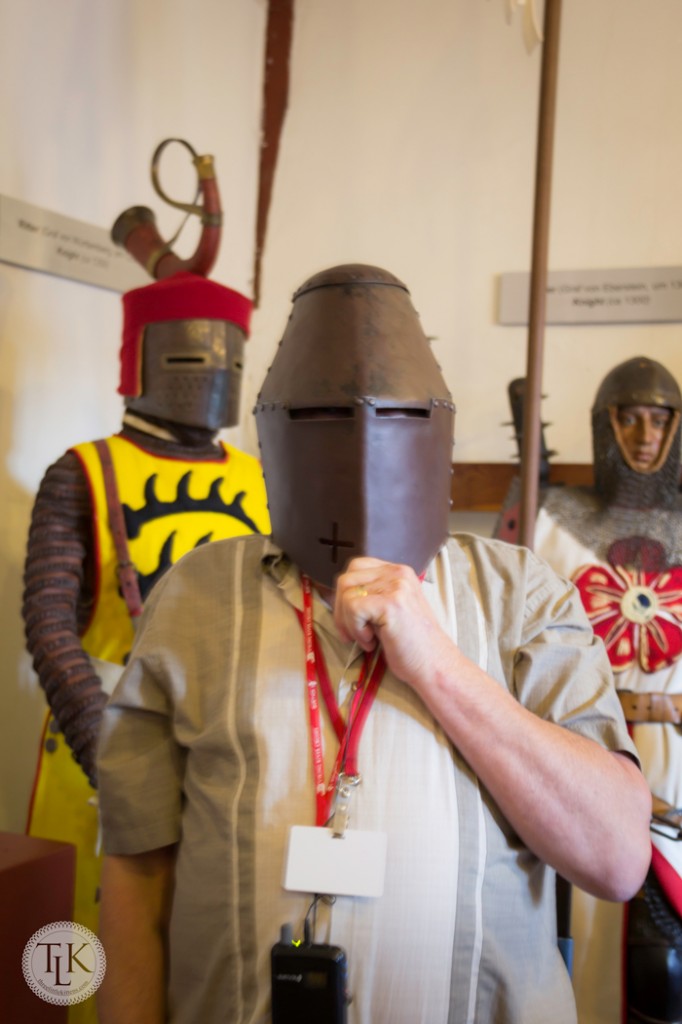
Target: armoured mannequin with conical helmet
621 544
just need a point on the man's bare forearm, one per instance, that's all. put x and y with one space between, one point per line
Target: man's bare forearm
580 808
136 901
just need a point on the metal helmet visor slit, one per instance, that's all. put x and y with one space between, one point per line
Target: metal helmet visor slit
191 373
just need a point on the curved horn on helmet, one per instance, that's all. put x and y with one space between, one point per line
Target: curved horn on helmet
135 229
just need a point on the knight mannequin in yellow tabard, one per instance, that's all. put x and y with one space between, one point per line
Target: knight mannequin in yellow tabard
170 485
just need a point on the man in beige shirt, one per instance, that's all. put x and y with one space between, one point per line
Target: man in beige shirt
485 741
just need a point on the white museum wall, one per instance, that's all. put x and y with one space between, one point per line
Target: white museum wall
87 91
409 142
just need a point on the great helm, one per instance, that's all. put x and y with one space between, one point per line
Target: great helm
644 382
182 351
355 425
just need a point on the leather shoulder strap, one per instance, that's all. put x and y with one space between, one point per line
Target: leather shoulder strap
127 575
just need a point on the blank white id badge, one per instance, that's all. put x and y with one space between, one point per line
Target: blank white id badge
320 862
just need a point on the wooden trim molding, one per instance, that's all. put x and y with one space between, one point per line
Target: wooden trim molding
482 486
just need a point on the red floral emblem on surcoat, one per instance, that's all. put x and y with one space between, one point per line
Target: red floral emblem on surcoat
637 614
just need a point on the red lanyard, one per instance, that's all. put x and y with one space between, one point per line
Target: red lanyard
347 733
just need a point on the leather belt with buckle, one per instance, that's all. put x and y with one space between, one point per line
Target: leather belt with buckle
651 707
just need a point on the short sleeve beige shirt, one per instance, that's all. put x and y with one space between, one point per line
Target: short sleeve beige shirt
206 744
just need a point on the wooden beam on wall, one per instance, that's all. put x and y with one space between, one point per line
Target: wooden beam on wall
275 101
482 486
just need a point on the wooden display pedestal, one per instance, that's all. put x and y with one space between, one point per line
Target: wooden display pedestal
37 878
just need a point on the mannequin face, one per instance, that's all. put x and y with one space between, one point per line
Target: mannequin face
641 433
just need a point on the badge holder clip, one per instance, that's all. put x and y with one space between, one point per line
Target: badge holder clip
345 786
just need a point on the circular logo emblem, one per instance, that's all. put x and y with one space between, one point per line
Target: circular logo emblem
639 604
64 963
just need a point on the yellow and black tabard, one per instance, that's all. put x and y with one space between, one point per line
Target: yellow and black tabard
170 505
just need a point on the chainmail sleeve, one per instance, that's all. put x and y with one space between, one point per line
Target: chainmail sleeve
57 599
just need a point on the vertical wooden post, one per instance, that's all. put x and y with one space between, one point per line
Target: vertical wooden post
530 447
531 441
278 39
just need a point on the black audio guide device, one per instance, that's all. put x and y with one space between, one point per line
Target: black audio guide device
309 983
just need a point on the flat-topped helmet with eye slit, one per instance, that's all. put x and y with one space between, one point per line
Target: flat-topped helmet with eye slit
355 426
183 350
